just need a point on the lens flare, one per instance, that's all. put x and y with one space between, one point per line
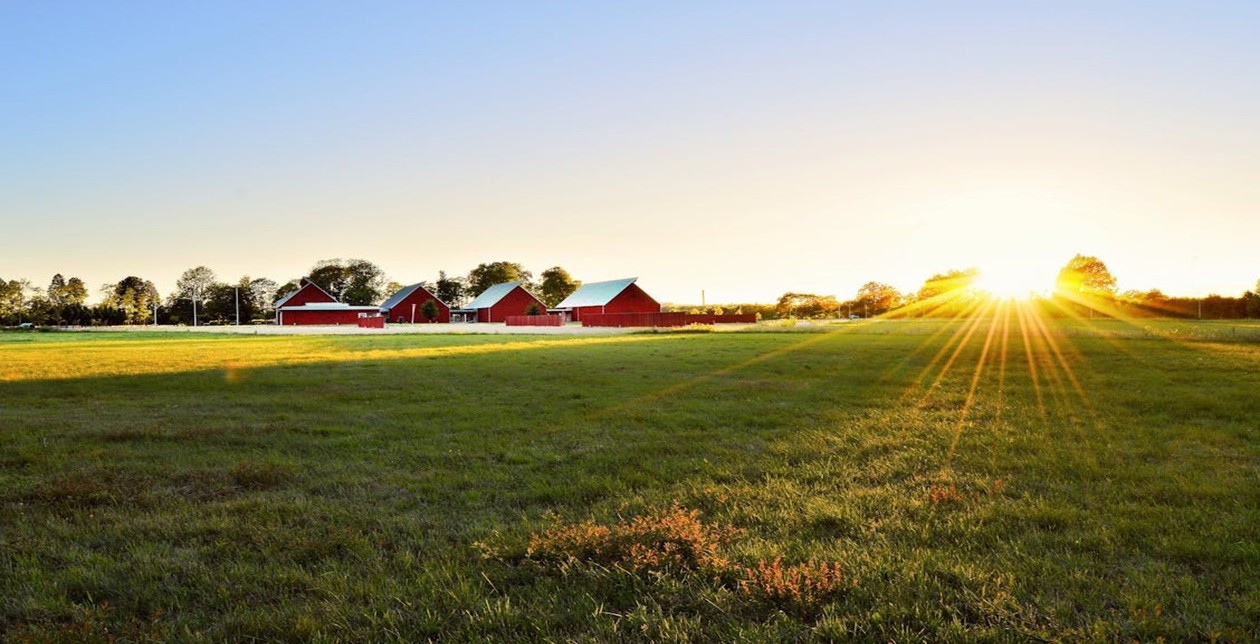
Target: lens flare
1009 283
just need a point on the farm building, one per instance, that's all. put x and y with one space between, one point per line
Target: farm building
613 296
497 302
306 293
407 305
310 304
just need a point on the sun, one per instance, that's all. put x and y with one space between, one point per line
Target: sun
1010 282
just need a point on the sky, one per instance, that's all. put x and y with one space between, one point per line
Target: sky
739 149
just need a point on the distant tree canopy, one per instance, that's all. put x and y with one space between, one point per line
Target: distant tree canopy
1251 302
135 298
487 275
949 281
807 305
353 281
63 292
556 285
876 298
263 294
1086 275
451 290
12 300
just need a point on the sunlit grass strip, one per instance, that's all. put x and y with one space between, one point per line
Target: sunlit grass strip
234 355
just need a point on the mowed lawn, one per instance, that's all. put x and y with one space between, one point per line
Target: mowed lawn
987 479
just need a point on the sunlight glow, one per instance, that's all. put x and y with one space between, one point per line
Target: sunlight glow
1010 282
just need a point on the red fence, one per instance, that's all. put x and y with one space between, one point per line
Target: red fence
376 322
535 320
663 319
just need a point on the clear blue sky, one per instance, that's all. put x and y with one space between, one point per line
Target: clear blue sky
742 148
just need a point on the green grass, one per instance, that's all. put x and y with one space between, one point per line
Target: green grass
219 487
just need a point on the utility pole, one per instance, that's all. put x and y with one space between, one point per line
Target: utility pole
194 306
701 298
238 306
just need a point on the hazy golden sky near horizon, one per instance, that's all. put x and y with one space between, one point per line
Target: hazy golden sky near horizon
745 149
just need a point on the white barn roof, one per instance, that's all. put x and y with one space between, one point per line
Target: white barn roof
492 295
596 293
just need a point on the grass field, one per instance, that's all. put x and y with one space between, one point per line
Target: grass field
987 479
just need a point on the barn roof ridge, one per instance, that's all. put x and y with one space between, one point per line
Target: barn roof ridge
404 293
493 294
596 293
303 283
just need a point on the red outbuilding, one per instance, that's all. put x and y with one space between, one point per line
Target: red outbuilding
496 303
306 293
407 305
310 304
613 296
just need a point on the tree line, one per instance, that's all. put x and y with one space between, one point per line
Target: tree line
1084 287
200 297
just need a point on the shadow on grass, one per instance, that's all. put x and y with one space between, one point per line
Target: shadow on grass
345 499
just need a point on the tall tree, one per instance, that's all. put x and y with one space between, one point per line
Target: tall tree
951 280
194 284
221 301
135 297
556 285
74 292
1086 275
62 292
876 298
807 305
56 287
451 290
353 281
487 275
262 294
13 300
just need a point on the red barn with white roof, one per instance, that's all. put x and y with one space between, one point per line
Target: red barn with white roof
497 302
612 296
310 304
407 305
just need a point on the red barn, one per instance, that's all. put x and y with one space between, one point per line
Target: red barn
407 305
496 303
306 293
311 304
325 313
613 296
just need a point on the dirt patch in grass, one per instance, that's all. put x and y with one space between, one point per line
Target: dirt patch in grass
219 483
92 487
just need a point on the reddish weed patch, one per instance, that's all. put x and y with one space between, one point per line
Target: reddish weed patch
674 540
949 494
662 540
800 586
